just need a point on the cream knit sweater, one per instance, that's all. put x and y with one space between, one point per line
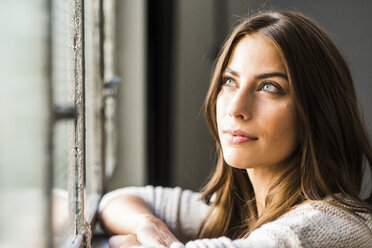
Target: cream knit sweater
309 225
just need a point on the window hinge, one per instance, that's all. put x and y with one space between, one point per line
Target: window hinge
111 88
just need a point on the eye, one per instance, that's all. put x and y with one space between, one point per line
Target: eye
229 82
271 87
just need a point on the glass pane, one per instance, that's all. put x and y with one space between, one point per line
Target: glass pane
109 45
23 124
64 162
63 140
92 109
111 133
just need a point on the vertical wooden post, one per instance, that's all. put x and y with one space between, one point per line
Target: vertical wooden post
78 42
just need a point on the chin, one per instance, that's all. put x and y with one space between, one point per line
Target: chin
237 163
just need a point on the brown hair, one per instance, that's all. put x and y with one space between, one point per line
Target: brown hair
333 139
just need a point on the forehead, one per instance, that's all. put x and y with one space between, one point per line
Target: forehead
256 53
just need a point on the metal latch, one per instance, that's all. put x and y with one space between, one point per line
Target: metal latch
111 88
64 112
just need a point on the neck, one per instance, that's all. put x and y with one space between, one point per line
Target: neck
261 179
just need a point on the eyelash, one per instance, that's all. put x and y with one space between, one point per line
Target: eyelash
277 86
225 79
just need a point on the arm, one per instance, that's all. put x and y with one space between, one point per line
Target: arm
181 210
130 214
123 214
272 236
269 235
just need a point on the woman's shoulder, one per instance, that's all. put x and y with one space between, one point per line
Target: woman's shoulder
320 224
324 211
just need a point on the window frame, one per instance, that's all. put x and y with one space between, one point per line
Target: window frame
83 209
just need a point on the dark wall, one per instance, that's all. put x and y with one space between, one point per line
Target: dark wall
193 57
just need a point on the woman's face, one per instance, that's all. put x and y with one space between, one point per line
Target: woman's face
256 115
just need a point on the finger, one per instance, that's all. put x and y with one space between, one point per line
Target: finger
149 240
156 238
167 239
130 243
171 238
116 241
123 241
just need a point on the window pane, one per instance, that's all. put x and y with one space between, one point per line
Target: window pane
111 121
23 113
63 162
92 108
63 130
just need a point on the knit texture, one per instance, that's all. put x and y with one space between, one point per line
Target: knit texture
315 224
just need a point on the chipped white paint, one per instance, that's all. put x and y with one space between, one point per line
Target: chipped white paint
77 41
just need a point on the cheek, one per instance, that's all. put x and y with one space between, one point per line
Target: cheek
220 110
281 126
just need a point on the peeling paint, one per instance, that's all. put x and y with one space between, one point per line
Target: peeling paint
77 39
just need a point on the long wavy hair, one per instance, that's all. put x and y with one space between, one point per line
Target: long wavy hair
334 145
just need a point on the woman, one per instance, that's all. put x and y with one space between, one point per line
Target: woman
283 111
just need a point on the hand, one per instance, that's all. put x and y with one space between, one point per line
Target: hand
152 231
123 241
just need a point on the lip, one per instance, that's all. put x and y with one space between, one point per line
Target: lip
238 136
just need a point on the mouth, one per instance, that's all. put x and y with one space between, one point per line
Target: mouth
238 136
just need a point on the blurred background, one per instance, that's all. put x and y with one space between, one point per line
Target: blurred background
181 40
114 98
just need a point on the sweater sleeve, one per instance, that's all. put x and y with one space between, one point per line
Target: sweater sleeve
270 236
181 210
309 225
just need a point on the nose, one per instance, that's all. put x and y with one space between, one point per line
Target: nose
240 106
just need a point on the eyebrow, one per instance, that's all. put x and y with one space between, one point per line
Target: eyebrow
261 76
273 74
